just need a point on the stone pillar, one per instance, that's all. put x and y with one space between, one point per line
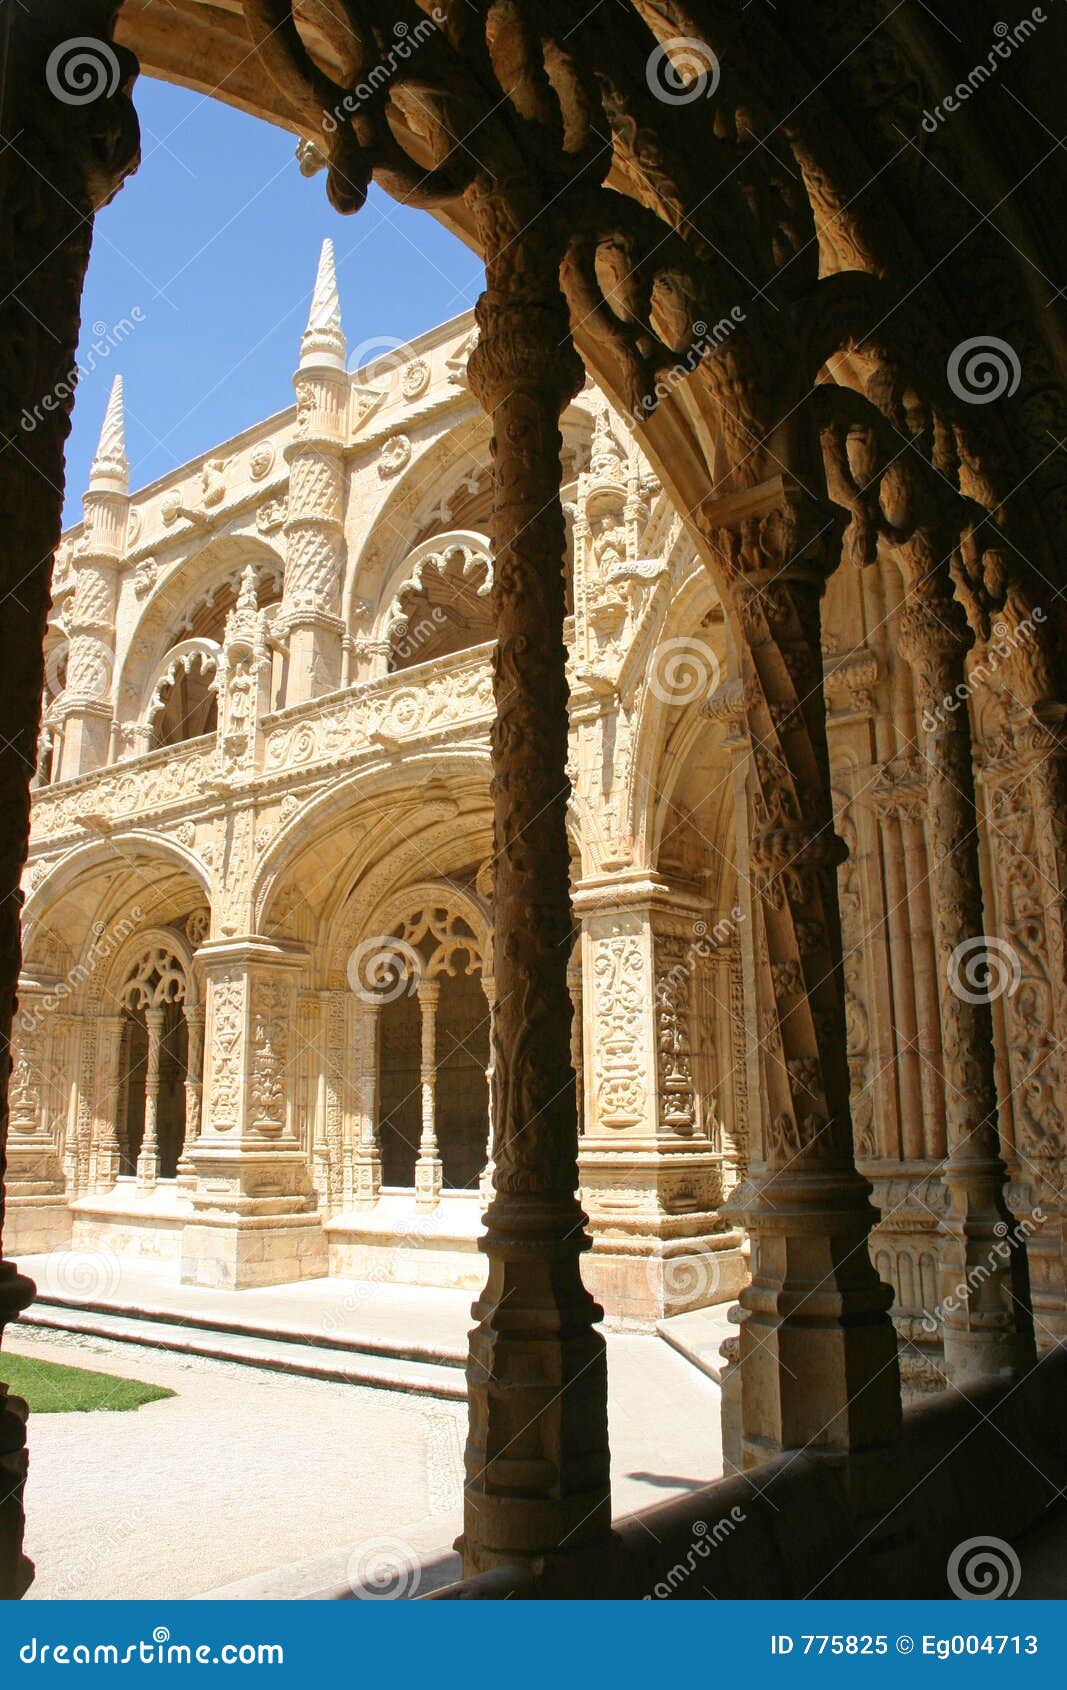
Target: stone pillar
817 1351
537 1450
194 1088
87 702
574 987
112 1046
59 161
485 1183
314 526
254 1211
36 1214
368 1166
650 1161
148 1157
428 1169
984 1284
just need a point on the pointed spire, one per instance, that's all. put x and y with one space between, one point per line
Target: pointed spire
607 461
242 624
111 471
324 338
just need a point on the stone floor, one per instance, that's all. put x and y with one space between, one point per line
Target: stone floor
250 1482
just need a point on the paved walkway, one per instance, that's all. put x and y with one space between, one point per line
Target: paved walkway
256 1483
427 1320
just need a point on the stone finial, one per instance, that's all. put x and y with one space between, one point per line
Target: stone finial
111 471
242 624
607 460
324 338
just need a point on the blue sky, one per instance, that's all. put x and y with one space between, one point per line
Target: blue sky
209 253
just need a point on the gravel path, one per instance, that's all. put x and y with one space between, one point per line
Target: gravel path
246 1472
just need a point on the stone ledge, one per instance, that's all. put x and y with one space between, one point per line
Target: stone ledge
811 1524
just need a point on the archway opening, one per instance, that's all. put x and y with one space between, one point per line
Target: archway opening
173 1060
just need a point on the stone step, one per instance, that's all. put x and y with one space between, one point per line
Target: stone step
698 1335
399 1367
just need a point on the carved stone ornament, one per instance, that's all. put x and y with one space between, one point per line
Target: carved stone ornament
395 456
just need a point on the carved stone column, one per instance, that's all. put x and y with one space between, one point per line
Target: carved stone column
112 1046
368 1163
984 1285
428 1167
36 1214
194 1087
537 1449
59 161
817 1351
650 1157
148 1156
255 1220
485 1182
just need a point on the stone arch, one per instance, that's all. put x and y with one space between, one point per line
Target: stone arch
120 971
414 901
198 653
467 764
196 580
667 722
82 859
446 580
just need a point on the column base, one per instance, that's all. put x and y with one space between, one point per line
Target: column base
36 1221
255 1220
429 1182
984 1285
237 1255
366 1180
660 1244
537 1452
818 1351
648 1280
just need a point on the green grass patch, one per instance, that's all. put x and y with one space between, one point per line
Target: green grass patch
50 1388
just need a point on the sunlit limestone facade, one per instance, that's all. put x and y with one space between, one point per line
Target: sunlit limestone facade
255 1027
